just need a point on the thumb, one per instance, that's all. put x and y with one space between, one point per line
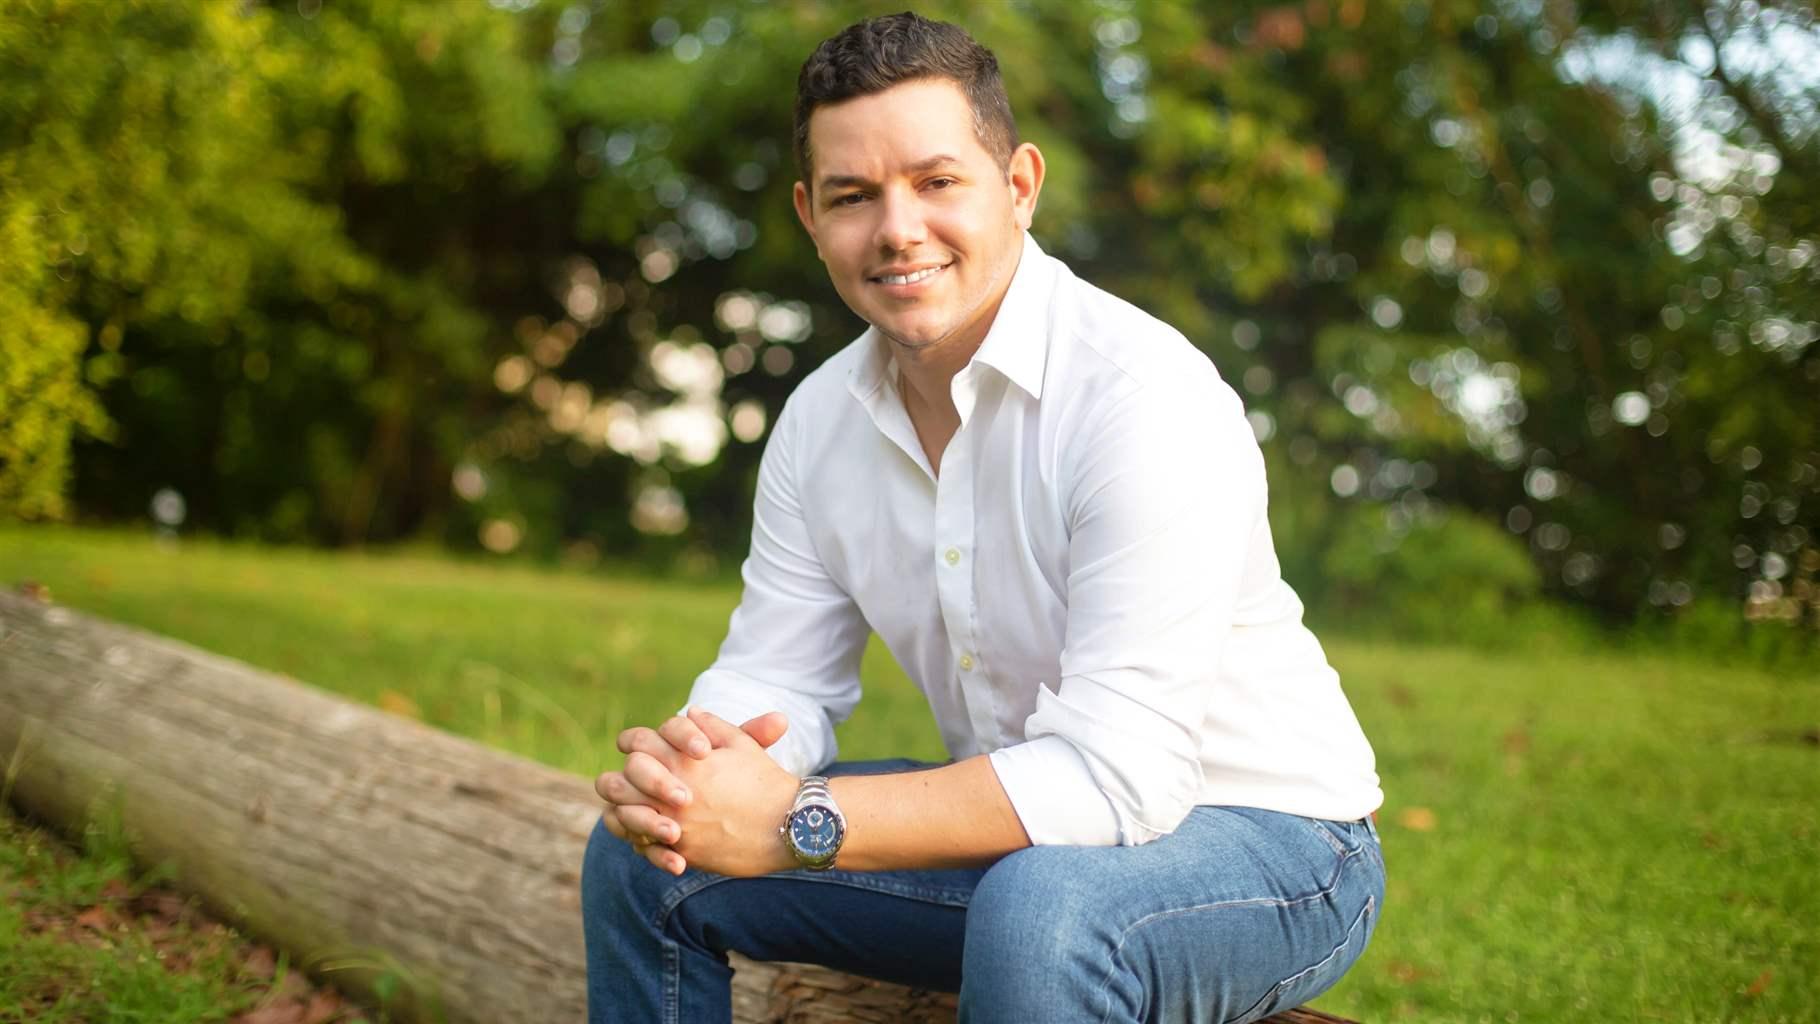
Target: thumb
767 728
720 732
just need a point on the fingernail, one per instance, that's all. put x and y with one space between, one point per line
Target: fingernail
679 796
698 747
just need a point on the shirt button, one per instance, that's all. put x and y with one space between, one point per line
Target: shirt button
966 663
953 555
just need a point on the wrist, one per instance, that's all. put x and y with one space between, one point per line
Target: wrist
813 829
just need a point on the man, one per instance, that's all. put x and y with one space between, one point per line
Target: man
1052 510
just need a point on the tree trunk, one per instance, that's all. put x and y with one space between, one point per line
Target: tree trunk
368 845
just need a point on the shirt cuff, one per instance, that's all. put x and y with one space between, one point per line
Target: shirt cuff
1054 794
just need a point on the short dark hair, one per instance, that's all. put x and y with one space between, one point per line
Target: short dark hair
873 55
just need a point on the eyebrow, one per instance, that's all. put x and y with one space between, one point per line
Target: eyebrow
834 181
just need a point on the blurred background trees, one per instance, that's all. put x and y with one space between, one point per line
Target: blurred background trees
1521 296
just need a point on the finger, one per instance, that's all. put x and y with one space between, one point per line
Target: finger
720 731
767 728
643 822
685 736
630 739
650 777
614 789
650 741
610 820
665 859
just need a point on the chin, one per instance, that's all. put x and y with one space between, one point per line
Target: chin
911 338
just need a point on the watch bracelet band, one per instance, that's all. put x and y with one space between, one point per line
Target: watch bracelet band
813 789
809 789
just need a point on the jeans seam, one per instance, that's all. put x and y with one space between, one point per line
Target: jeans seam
1338 847
1118 950
672 1009
1364 912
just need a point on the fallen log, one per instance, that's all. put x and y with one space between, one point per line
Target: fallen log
384 854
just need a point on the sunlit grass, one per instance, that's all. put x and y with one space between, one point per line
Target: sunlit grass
1569 836
547 664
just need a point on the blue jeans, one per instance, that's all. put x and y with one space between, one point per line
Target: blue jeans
1237 914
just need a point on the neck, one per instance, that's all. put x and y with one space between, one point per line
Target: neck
928 371
927 374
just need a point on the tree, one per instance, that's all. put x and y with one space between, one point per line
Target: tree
527 274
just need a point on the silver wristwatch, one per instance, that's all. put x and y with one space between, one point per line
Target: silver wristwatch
815 828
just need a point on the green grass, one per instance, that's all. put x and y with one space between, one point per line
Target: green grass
1569 835
114 972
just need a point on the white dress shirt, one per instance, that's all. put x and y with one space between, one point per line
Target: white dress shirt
1087 592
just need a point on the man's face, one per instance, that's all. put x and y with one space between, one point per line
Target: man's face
919 226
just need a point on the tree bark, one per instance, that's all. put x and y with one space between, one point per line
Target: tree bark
364 843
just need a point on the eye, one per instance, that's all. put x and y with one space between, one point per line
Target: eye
943 183
850 199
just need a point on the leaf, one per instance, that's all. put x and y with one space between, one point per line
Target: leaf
1757 987
323 1007
1516 741
290 1011
260 962
1416 819
399 704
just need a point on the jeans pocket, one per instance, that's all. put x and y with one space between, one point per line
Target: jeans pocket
1338 835
1310 982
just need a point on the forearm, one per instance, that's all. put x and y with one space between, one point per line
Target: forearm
954 816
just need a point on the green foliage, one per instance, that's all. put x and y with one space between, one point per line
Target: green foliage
1538 291
211 190
1551 267
1450 578
1709 629
43 399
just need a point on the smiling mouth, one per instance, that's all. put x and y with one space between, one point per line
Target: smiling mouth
921 275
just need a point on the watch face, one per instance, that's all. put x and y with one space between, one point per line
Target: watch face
815 832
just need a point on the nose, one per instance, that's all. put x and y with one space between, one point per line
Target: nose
900 224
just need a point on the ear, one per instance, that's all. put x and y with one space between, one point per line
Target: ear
1024 176
805 214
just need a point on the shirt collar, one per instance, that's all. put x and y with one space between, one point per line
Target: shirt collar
1016 345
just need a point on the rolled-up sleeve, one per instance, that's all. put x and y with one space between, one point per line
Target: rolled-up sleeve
794 643
1166 499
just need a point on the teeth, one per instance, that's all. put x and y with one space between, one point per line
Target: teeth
908 278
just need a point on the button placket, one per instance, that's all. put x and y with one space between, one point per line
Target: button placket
954 520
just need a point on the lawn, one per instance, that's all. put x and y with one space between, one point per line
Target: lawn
1569 835
87 936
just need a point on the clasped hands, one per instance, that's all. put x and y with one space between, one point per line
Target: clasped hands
699 792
